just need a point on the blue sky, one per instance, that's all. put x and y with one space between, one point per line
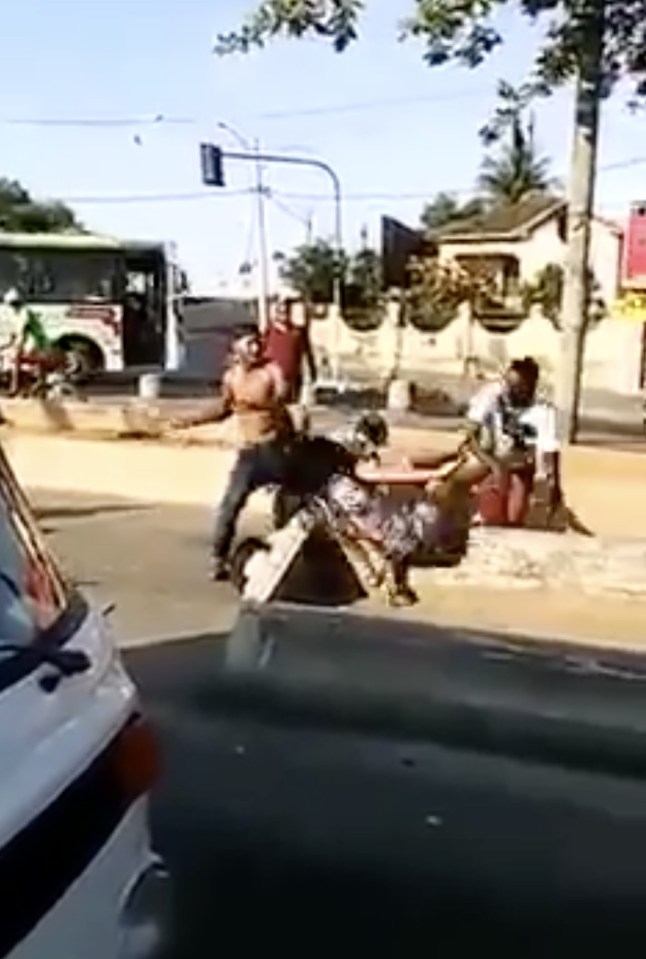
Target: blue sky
394 130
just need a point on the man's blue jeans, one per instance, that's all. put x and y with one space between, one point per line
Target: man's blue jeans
262 464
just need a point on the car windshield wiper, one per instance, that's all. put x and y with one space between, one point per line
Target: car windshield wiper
65 662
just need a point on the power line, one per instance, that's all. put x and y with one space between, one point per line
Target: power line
154 197
328 109
288 195
374 104
158 120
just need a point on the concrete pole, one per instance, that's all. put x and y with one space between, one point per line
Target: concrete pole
576 292
261 218
263 256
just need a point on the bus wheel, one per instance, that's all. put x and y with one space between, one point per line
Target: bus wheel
82 357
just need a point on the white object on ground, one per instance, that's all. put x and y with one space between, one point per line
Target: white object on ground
400 396
266 569
149 386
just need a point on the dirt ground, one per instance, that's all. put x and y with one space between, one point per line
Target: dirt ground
550 615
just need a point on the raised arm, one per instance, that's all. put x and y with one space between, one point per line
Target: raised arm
216 411
479 414
395 475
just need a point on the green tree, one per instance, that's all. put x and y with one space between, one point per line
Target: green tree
592 43
516 170
444 209
310 270
20 213
364 277
436 290
547 292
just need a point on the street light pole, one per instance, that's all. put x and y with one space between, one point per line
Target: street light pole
263 266
263 255
337 292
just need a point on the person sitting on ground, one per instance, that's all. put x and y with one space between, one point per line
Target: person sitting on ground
434 520
358 505
514 433
254 391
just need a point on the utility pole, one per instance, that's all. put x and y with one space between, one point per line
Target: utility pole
280 158
261 221
576 289
263 258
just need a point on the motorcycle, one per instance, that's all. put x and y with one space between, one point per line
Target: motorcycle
315 499
52 375
310 461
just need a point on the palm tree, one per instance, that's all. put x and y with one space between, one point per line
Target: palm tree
517 170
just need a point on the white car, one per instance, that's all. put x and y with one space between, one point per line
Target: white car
78 878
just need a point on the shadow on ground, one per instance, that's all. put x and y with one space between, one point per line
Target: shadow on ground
302 837
48 513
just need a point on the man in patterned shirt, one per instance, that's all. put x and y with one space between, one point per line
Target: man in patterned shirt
514 433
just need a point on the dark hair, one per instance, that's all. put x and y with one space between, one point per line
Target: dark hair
527 368
374 428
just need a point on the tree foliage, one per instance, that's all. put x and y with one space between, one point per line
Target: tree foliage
546 292
311 270
517 169
468 31
20 213
444 209
437 289
364 281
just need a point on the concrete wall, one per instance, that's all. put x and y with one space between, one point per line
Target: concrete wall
613 346
612 360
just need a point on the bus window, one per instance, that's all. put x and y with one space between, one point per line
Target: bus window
79 277
61 276
9 271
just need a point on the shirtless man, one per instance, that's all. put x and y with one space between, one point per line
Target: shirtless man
254 391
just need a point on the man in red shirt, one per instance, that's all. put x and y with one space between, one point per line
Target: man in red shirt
288 345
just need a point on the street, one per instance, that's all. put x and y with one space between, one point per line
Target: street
307 834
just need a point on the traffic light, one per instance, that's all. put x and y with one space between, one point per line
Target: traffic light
211 164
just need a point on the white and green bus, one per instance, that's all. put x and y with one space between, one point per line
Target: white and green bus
115 304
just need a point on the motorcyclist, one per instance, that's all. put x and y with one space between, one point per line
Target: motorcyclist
312 459
30 341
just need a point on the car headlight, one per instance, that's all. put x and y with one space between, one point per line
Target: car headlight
146 916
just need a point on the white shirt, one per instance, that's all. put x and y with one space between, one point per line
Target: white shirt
539 420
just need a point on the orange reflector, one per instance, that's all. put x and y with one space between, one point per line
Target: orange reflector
137 758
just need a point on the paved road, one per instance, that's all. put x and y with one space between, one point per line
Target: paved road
150 560
301 834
